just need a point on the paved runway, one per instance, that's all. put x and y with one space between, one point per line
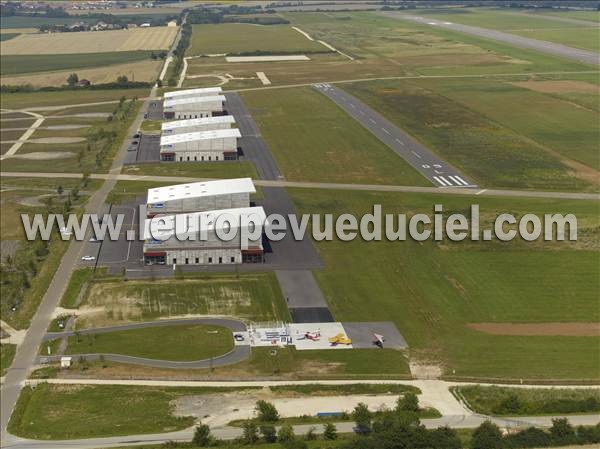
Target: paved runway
576 54
439 172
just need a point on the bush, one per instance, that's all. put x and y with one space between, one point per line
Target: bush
250 434
330 431
487 436
286 434
201 435
266 411
362 417
408 403
562 432
268 433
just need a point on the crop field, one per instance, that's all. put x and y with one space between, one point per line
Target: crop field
177 343
535 27
248 38
145 70
435 291
9 22
497 144
155 38
42 99
253 297
322 143
14 65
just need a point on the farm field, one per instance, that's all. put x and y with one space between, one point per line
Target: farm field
254 297
145 70
323 143
155 38
498 146
529 402
535 27
434 291
236 38
177 343
17 64
48 99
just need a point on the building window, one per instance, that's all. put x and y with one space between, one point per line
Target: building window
216 158
197 260
180 158
210 260
188 158
210 158
220 260
174 260
202 158
187 261
233 260
195 158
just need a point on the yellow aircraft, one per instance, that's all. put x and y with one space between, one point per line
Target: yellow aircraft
340 339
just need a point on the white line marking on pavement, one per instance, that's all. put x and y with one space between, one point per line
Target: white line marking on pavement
372 121
399 141
444 180
352 105
385 130
416 154
459 180
481 191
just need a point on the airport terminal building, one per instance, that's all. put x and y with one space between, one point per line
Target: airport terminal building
193 107
201 146
197 243
200 197
197 124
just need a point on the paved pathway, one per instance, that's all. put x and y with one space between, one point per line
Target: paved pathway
26 135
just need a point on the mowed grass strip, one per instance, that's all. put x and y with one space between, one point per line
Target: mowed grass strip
529 401
433 290
216 170
495 155
177 343
17 64
69 411
312 139
247 38
7 353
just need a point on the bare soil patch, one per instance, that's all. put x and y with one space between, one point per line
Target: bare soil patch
558 86
539 329
45 155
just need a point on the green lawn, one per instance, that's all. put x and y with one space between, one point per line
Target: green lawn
66 412
529 401
312 139
494 153
432 290
7 353
249 296
17 64
241 38
217 170
79 278
177 343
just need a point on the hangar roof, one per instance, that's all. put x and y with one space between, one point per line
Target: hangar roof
164 227
197 122
191 100
200 135
187 92
200 189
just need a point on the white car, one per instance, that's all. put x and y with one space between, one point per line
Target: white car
88 258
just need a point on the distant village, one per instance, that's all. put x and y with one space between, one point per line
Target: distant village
101 26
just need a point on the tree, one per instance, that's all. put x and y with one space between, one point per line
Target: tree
444 438
201 435
269 433
362 417
286 434
72 79
250 433
408 403
562 432
122 79
266 411
330 431
487 436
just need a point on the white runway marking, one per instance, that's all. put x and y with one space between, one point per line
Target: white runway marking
372 121
416 154
443 181
481 191
385 130
459 180
399 141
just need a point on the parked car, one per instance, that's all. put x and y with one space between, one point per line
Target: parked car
238 337
135 142
88 258
137 135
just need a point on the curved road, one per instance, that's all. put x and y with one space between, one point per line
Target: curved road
576 54
239 352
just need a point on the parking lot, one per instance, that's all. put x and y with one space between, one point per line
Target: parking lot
155 110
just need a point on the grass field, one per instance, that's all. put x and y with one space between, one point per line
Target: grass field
144 70
529 401
243 38
40 99
63 412
14 65
217 170
254 297
592 16
155 38
494 143
78 279
433 290
33 21
177 343
532 26
322 143
7 353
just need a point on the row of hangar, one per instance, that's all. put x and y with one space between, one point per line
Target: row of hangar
184 224
201 131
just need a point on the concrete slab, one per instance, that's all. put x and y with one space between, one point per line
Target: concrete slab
361 334
317 335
